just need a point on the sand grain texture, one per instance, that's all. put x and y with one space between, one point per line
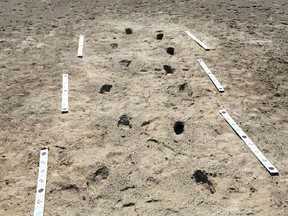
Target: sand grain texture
140 166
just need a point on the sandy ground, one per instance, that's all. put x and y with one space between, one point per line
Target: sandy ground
97 165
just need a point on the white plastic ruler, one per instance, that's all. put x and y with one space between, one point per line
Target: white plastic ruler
81 46
65 94
211 75
272 169
41 185
197 41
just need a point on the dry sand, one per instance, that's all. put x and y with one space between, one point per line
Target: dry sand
100 167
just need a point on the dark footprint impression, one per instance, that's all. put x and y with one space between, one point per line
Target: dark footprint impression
179 127
105 88
114 45
124 120
170 50
168 69
201 177
125 63
128 31
98 175
183 86
160 35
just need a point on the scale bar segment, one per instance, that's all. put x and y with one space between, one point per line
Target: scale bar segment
271 169
211 75
41 185
81 46
197 41
65 94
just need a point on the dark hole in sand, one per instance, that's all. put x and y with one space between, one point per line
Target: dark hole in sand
124 120
128 31
105 88
114 45
125 63
168 69
252 189
277 95
182 86
178 127
200 176
159 36
128 205
170 50
69 187
98 175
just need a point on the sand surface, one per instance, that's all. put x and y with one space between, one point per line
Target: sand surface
99 165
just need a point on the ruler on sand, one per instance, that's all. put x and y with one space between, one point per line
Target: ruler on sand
65 94
211 75
197 41
81 46
41 185
272 169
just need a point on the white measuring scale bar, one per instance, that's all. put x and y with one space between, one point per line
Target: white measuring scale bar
41 185
272 169
65 94
81 46
211 76
197 41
